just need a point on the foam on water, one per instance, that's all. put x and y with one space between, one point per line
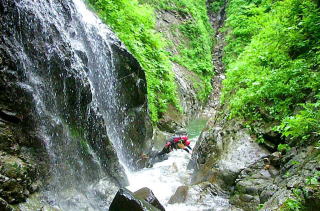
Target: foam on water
165 177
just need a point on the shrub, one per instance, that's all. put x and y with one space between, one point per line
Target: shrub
272 60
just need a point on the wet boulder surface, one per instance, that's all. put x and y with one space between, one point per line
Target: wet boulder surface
180 195
126 200
147 195
224 148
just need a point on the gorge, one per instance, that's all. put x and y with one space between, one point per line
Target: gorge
90 89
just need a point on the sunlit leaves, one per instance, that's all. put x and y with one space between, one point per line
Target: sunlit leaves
272 59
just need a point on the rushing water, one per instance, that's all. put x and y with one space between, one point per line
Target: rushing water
165 177
69 61
74 85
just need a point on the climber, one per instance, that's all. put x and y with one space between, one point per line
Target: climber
179 141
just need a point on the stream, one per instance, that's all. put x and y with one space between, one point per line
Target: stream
165 177
71 62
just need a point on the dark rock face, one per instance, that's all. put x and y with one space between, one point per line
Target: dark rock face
125 200
180 195
67 90
4 205
147 195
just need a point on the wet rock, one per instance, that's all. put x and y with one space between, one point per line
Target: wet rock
159 139
16 179
171 120
9 116
156 158
180 195
263 183
265 195
4 206
147 195
138 129
19 175
36 202
246 197
223 150
125 200
312 202
275 159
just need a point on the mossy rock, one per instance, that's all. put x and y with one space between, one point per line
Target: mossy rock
16 177
13 167
7 139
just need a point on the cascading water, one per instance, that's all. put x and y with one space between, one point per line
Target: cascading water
88 94
86 98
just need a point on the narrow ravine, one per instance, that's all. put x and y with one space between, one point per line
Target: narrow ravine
217 20
165 177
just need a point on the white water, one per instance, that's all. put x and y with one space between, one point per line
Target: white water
165 177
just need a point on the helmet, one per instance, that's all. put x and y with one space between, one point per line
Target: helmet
187 143
181 131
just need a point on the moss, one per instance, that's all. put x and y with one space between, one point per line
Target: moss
78 133
7 138
13 167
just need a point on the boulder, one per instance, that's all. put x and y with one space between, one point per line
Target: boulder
223 150
180 195
254 185
126 200
147 195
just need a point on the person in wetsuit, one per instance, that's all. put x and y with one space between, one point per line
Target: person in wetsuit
179 141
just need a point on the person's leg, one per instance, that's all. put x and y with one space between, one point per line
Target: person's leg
165 150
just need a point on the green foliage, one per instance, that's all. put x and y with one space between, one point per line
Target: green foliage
215 6
304 124
195 49
260 207
314 180
283 147
296 202
292 204
78 134
134 23
273 60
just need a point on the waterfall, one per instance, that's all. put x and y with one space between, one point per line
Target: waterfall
88 98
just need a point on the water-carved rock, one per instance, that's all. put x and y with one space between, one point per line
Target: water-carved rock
180 195
125 200
223 150
147 195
